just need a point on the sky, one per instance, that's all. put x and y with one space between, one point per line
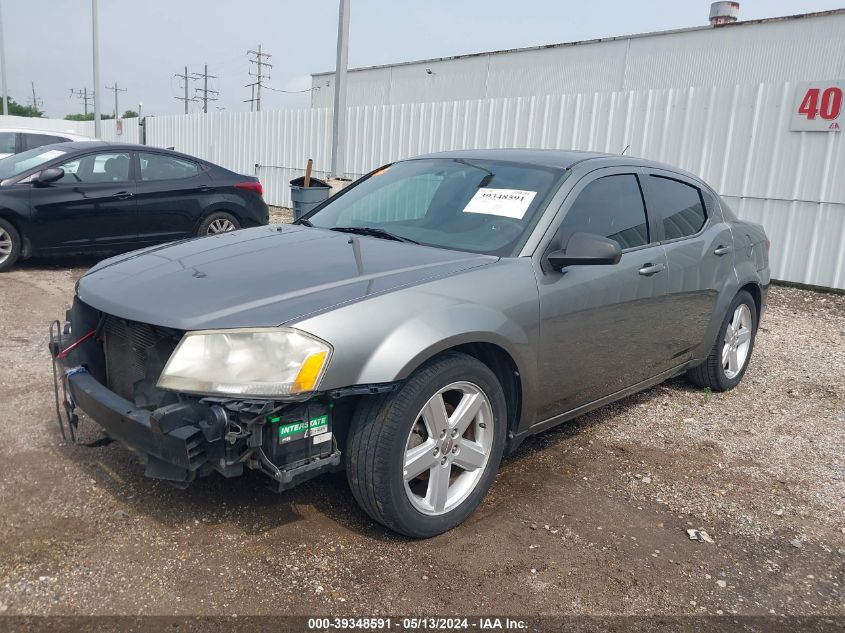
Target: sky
145 43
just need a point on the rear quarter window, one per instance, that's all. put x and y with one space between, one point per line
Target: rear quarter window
680 206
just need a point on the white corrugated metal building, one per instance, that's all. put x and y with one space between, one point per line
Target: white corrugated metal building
719 101
775 50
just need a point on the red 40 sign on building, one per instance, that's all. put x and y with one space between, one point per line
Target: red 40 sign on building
817 107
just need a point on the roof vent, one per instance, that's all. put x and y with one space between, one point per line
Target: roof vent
723 13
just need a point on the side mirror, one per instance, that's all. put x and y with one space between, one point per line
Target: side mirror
586 249
49 175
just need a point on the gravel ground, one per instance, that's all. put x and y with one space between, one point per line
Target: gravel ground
588 518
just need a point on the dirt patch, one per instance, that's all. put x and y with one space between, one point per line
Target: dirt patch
588 518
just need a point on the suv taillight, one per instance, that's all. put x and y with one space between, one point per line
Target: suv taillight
251 185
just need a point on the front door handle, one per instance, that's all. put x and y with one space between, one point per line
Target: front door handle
123 195
722 250
652 269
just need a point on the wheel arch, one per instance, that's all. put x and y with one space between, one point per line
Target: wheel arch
502 364
15 220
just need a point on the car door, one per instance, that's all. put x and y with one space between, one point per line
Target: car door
172 194
91 207
600 325
699 252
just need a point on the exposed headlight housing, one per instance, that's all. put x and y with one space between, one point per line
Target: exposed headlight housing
254 362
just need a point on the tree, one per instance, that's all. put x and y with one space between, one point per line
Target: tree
130 114
86 117
17 109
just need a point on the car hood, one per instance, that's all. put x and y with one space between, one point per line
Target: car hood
259 277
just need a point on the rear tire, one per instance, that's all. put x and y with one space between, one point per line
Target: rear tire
731 353
10 245
218 222
446 426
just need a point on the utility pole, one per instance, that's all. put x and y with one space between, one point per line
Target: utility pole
3 66
185 78
339 113
255 101
204 90
83 96
36 102
95 34
116 90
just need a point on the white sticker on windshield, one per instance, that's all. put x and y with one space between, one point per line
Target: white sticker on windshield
509 203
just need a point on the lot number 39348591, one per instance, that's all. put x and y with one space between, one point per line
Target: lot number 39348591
818 106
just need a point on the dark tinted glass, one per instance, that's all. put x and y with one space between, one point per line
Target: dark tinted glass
112 167
611 207
679 205
31 141
160 167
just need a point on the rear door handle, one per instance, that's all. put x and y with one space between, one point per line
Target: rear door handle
722 250
123 195
652 269
204 188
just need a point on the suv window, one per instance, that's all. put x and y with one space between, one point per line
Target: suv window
611 206
111 167
679 204
31 141
160 167
7 142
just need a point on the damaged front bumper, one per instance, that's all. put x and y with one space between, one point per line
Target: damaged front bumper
288 441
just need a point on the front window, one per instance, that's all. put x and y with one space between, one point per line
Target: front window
13 166
106 167
481 206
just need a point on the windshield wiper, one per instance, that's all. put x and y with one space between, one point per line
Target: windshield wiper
373 232
304 222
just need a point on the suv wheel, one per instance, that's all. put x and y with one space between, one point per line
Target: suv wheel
421 459
10 245
728 360
218 223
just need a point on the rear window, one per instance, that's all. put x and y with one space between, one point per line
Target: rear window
679 204
31 141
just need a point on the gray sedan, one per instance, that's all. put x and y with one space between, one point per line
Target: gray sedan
416 327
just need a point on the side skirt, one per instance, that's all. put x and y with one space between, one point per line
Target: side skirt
515 439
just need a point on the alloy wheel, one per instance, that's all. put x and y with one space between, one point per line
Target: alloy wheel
448 448
5 245
221 225
737 342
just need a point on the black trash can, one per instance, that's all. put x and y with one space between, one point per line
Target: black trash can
306 198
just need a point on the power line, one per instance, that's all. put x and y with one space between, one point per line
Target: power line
205 90
255 87
185 78
116 90
83 96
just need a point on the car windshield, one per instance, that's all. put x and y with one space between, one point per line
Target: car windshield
481 206
17 164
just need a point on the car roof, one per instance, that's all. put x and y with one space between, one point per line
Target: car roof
127 147
26 130
557 158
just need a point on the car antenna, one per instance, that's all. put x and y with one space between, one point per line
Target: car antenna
625 150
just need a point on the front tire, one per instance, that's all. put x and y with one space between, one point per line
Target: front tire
10 245
421 459
729 358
